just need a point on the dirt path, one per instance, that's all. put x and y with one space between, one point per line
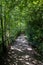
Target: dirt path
21 53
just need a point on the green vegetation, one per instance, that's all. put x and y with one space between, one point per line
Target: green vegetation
35 25
21 16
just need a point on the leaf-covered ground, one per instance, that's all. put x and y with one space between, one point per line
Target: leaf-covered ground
21 53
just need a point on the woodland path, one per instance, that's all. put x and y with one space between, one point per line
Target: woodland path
21 53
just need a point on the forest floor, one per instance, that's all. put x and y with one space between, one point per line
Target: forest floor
21 53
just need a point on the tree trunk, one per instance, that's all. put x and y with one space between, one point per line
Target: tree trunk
3 35
2 32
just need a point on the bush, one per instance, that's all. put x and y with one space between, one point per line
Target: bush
35 28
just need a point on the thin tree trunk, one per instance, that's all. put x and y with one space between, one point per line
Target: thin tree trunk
2 32
2 28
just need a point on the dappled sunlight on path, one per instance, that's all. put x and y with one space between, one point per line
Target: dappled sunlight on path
21 53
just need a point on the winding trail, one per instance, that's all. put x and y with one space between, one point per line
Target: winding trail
21 53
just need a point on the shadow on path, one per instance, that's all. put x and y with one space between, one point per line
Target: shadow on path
21 53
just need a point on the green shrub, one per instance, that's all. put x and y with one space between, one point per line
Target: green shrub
35 28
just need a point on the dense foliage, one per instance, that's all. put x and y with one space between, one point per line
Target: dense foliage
35 25
21 16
